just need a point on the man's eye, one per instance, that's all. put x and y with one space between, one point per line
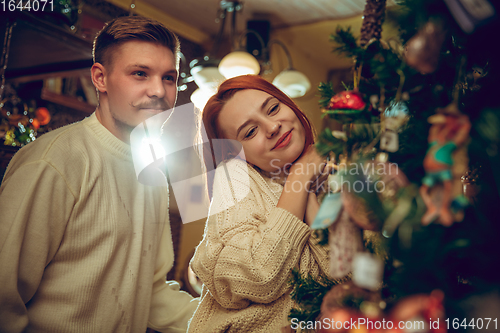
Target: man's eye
139 73
274 109
169 78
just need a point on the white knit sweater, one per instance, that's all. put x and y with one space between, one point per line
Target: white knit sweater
84 247
247 254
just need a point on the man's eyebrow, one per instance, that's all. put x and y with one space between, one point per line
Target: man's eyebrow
137 66
173 70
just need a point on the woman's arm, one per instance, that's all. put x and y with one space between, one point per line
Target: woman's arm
249 248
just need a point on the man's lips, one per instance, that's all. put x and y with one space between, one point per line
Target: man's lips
283 140
152 110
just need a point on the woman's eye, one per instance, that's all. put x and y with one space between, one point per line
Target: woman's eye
169 78
274 109
250 133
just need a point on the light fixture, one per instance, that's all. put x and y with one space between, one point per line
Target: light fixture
290 81
208 72
201 96
238 63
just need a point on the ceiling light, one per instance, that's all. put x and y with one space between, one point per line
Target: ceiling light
200 97
238 63
206 74
292 82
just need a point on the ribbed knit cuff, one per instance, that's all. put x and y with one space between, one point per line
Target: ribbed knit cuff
289 225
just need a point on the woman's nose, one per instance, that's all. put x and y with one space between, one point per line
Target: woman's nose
273 128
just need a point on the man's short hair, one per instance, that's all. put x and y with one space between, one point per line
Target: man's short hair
128 28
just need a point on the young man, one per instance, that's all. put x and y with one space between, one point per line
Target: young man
84 247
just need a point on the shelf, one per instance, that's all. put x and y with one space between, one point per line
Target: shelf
68 101
40 49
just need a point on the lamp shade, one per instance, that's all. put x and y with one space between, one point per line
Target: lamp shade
238 63
207 77
292 82
200 97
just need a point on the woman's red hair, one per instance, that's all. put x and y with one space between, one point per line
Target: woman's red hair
215 104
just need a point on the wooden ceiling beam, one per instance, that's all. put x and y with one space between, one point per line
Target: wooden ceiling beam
179 27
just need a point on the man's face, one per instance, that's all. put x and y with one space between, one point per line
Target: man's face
140 81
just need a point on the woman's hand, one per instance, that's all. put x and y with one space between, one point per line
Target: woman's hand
303 173
308 167
312 208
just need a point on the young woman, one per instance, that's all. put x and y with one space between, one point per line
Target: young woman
256 233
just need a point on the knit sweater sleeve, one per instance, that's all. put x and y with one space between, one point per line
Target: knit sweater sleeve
171 308
35 205
247 252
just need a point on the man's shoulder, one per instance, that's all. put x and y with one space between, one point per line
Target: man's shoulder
58 144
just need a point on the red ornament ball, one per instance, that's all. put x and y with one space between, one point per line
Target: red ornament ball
352 100
43 115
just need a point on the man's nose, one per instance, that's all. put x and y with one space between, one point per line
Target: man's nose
156 88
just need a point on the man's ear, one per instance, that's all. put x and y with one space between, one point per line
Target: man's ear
98 73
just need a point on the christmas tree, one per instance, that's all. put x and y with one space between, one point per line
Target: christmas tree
416 163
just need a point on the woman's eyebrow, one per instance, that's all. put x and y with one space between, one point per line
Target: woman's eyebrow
248 121
266 101
242 126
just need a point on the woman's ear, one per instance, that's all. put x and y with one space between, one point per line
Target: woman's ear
98 74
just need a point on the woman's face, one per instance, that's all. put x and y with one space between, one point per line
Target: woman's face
269 131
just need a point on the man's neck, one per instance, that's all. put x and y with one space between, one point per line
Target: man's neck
118 129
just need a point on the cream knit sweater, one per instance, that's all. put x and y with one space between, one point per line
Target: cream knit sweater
247 254
84 247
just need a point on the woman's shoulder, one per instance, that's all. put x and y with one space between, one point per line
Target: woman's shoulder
236 180
233 177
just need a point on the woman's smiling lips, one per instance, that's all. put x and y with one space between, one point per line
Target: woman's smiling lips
283 140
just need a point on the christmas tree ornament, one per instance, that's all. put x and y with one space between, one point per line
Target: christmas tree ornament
346 101
347 302
422 50
470 184
373 17
382 157
389 141
35 123
396 115
367 271
329 211
375 186
359 212
449 130
345 240
43 115
420 308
